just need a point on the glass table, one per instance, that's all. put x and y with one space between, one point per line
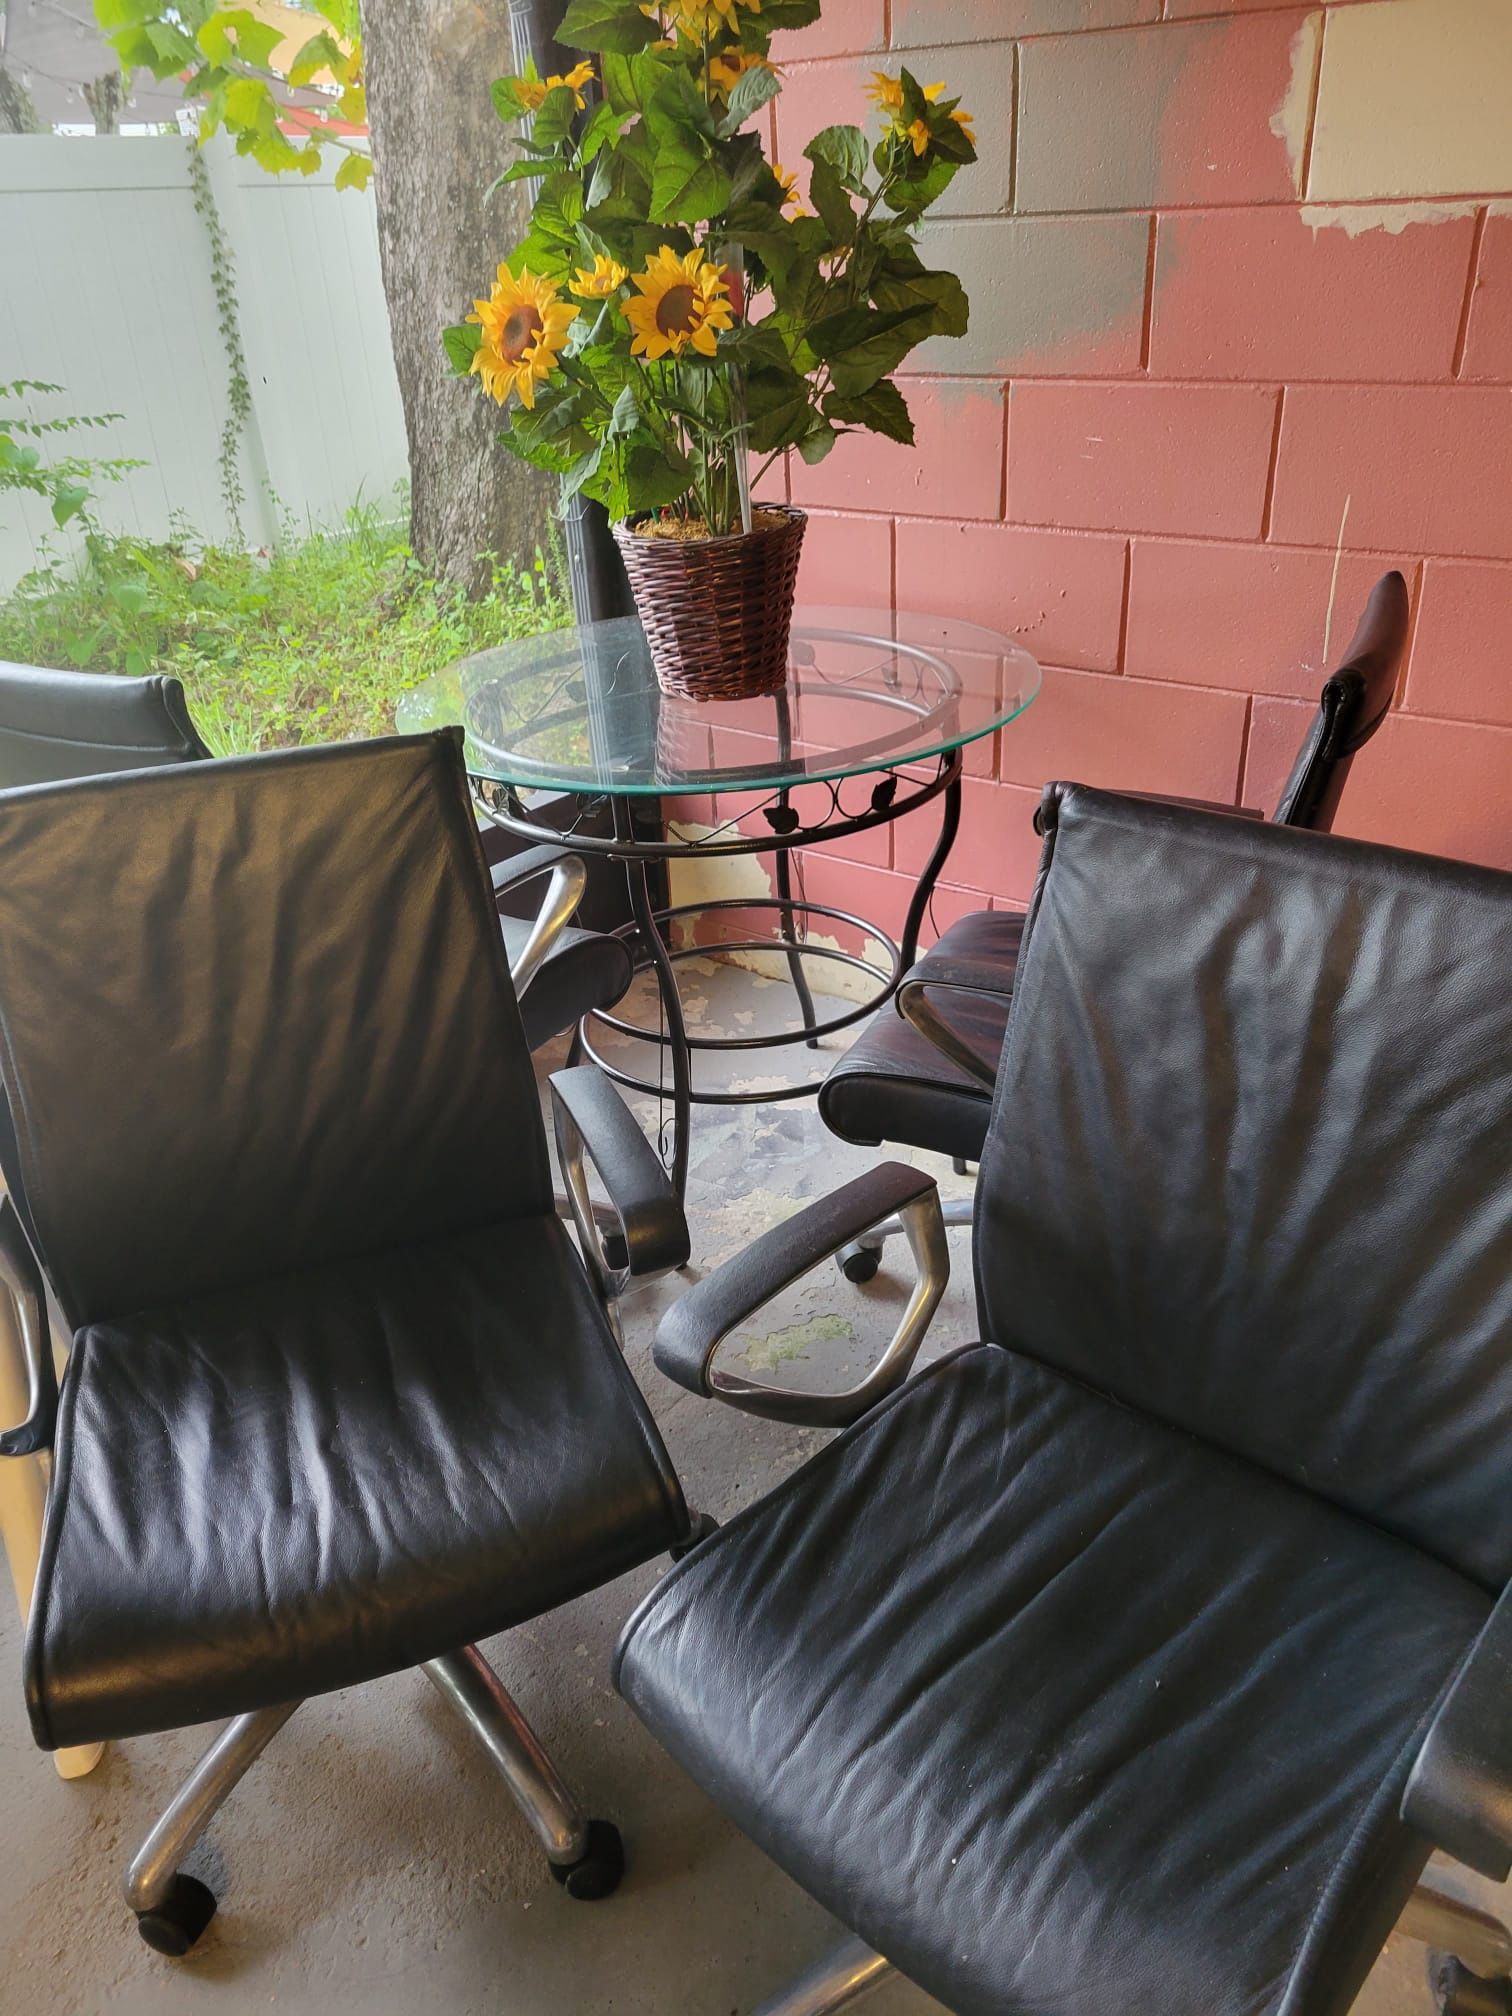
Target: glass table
869 727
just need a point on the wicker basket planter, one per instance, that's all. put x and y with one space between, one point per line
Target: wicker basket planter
717 612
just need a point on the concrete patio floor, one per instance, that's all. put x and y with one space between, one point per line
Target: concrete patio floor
371 1863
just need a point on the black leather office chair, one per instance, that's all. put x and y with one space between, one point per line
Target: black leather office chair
55 725
923 1076
1134 1660
341 1397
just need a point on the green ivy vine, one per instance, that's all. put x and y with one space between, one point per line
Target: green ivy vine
238 385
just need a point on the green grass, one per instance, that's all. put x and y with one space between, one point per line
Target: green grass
311 643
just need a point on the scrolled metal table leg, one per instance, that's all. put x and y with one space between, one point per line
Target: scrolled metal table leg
655 949
949 826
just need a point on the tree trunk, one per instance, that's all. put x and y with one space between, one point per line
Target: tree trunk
437 145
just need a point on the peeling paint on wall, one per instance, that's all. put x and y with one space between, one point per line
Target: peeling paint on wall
1393 218
1293 116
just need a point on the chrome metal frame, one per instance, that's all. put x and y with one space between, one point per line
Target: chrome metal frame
465 1681
564 892
924 1228
468 1684
838 1981
916 1008
851 1970
150 1873
954 1213
1482 1942
589 1219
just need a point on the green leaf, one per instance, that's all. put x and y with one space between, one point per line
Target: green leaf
236 32
134 49
505 102
618 25
881 408
676 110
777 406
626 416
687 184
845 150
753 89
461 345
68 501
553 122
582 471
113 14
862 345
787 14
832 203
171 47
924 181
619 189
603 126
630 81
355 172
939 296
517 171
248 99
654 477
321 52
815 446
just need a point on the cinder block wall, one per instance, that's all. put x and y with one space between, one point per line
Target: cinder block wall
1241 282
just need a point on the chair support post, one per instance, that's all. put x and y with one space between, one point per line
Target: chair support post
838 1981
468 1684
1474 1937
149 1876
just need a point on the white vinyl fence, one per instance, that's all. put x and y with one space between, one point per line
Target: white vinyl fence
105 288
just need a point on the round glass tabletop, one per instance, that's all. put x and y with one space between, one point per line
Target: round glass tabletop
580 710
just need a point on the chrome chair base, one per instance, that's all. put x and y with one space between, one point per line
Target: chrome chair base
860 1260
1481 1943
585 1856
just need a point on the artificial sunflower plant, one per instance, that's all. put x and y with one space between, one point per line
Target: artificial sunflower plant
675 305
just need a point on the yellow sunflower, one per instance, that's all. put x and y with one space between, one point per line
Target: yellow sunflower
524 328
727 69
598 281
963 120
531 91
699 19
791 193
886 93
678 302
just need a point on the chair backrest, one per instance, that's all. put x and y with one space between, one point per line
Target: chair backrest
274 1028
1248 1163
1354 702
83 724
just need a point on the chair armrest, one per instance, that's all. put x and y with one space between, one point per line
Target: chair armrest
593 1124
1460 1791
948 974
690 1333
21 1278
569 878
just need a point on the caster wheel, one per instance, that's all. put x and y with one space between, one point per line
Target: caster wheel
597 1874
180 1919
1458 1992
862 1265
704 1525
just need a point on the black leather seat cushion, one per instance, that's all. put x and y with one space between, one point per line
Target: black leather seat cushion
893 1085
291 1486
1091 1720
587 969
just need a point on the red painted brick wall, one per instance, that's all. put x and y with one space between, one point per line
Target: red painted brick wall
1195 370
